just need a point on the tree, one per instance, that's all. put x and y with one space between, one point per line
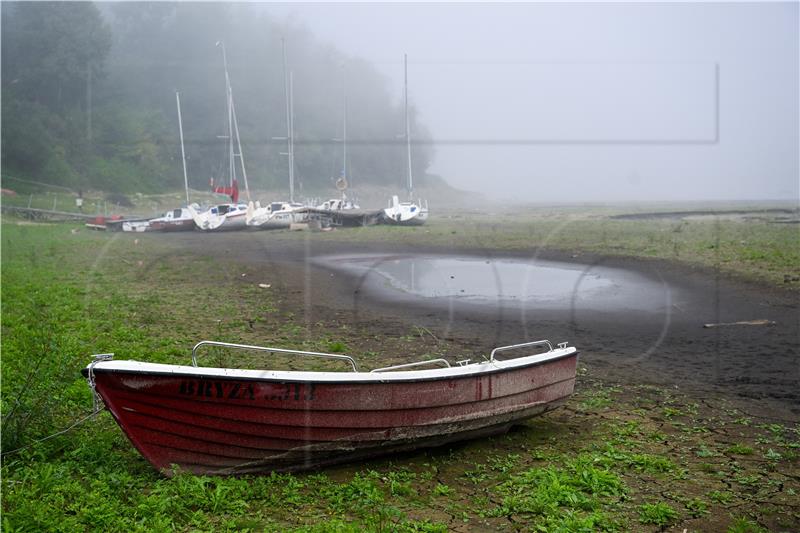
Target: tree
51 53
51 50
92 104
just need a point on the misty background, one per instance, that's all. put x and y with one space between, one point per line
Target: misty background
565 102
522 102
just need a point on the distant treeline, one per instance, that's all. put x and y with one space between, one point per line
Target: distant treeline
88 99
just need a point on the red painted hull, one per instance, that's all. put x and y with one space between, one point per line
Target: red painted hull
220 425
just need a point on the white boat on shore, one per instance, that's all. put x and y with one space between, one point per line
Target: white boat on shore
228 215
281 214
180 219
405 213
410 213
221 217
337 204
138 226
275 215
342 212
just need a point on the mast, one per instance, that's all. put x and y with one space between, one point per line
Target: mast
410 184
291 135
240 154
344 131
233 129
287 87
229 104
183 152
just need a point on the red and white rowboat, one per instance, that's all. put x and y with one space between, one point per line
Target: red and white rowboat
229 421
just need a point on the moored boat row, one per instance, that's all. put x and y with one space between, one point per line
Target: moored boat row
276 215
280 214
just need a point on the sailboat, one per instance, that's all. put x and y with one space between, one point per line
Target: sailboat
408 213
179 219
343 211
227 216
281 215
338 204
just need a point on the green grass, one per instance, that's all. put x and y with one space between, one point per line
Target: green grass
745 525
659 514
609 461
569 496
68 294
740 449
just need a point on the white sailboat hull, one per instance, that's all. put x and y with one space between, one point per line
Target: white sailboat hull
417 219
136 226
267 218
405 213
215 220
409 213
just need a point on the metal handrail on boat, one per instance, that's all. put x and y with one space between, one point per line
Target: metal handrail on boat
409 365
516 346
272 350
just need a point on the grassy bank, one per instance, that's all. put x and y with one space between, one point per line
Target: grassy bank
614 459
750 241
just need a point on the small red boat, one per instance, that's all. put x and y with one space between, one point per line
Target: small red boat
228 421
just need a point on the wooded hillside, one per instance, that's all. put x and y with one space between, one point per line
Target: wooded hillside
88 99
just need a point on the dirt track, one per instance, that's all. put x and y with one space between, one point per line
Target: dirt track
757 365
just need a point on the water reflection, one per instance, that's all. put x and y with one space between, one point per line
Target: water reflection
471 279
532 284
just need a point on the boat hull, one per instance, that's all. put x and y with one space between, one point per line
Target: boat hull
186 224
278 222
418 220
346 217
215 424
405 217
222 222
137 227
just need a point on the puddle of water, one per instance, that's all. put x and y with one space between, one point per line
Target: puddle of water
482 280
539 284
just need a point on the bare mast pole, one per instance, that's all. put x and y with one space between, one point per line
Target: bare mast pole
344 133
233 129
241 154
183 152
289 122
231 165
408 127
291 135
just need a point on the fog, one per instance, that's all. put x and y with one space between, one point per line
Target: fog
590 102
